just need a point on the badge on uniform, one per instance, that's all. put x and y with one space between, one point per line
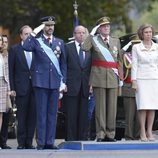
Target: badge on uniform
115 51
57 51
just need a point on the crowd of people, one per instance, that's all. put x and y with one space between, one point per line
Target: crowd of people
42 69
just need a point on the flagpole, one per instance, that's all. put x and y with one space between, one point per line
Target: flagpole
76 22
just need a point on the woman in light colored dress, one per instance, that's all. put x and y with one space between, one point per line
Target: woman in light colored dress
145 80
5 103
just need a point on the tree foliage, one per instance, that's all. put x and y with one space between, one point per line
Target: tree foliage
15 13
149 16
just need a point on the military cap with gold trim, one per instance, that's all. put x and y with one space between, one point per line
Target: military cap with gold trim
103 20
48 20
135 39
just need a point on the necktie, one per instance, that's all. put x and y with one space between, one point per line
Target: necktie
28 59
106 41
81 56
49 40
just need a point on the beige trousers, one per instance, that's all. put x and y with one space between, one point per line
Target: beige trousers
105 111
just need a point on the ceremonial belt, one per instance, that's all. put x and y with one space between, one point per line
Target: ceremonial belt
101 63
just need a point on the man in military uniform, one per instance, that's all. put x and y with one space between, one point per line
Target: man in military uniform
105 77
48 78
128 94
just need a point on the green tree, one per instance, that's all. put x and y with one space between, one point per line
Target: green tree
148 16
15 13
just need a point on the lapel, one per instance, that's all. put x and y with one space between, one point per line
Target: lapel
76 56
111 44
22 57
75 53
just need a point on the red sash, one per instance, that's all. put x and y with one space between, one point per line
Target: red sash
102 63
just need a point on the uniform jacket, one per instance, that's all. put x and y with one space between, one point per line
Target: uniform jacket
127 90
19 72
144 62
101 76
77 76
45 74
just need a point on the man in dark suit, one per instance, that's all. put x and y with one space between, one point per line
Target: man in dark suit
48 79
76 97
20 73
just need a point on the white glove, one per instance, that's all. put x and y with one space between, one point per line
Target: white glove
127 46
62 87
94 30
120 83
37 29
60 95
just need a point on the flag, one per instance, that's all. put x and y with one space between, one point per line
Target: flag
76 20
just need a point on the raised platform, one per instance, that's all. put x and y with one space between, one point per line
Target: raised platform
119 145
87 149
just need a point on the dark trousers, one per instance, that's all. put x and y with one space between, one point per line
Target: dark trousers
4 129
132 124
91 118
26 117
46 106
76 117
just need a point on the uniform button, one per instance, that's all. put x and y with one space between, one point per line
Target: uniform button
50 63
50 69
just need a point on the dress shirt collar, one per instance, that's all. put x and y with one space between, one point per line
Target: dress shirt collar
46 37
104 38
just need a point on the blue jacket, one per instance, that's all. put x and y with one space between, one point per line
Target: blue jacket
45 74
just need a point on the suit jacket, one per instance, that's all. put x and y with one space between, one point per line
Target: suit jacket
19 72
6 71
45 74
77 75
101 76
144 62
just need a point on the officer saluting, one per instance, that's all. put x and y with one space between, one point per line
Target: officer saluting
104 77
48 77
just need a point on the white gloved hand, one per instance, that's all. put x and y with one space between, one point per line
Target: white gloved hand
120 83
94 30
60 95
62 87
37 29
127 46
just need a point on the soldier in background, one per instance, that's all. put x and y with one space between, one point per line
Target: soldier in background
128 94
